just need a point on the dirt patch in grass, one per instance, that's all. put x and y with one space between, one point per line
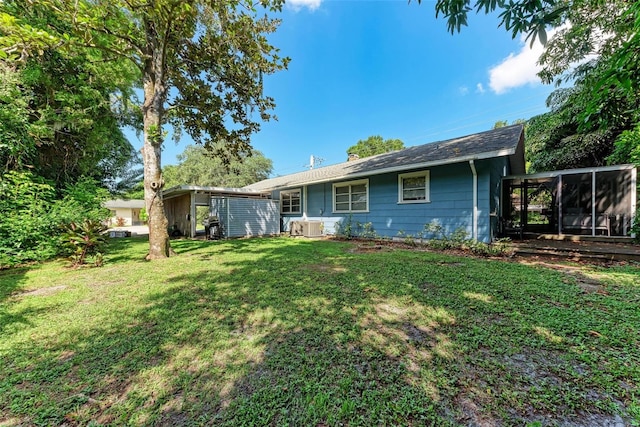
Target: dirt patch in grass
575 275
44 291
365 249
326 268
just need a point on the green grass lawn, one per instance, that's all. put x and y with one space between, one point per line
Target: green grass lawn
294 332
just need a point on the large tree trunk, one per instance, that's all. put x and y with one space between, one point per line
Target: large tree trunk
155 93
159 246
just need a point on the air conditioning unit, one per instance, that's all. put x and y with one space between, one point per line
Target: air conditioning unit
305 228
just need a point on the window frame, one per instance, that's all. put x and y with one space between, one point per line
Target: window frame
427 193
350 184
288 193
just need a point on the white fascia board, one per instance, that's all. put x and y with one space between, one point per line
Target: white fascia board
184 189
553 174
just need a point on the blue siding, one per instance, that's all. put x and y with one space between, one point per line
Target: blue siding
451 202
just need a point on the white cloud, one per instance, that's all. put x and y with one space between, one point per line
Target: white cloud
517 69
480 88
463 90
300 4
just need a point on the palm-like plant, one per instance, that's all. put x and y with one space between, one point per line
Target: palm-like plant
86 238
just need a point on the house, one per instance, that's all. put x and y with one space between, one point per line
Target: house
475 183
124 212
454 183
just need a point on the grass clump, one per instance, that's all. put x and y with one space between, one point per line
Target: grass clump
297 332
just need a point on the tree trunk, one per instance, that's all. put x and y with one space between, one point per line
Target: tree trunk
155 93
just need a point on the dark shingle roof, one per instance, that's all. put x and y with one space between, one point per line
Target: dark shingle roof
506 141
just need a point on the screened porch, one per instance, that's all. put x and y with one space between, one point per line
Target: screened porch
594 201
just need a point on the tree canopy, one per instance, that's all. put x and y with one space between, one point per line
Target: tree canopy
595 48
198 167
374 145
200 65
56 115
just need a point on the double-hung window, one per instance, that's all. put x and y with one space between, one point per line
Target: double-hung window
351 196
290 202
413 187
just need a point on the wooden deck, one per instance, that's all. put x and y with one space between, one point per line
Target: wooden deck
598 248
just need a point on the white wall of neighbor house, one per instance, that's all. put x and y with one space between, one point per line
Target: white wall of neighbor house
129 215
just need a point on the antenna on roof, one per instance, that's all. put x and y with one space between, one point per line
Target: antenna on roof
314 161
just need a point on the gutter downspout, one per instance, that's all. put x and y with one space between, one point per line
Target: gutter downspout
304 203
475 200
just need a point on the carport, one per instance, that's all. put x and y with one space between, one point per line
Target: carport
180 204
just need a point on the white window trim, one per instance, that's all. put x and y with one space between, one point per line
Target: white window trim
350 183
427 194
294 190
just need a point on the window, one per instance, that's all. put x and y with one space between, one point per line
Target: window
290 201
351 196
413 187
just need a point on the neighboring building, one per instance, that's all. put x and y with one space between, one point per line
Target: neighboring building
124 212
454 183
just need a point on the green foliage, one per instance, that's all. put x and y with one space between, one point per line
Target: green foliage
143 215
527 17
375 145
197 166
561 139
435 236
366 231
34 216
505 123
17 145
200 64
627 148
65 113
27 230
345 228
85 239
635 225
594 47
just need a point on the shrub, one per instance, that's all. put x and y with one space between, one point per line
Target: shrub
85 239
27 230
344 228
34 215
635 226
144 217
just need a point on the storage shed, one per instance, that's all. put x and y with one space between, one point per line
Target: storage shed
240 217
245 210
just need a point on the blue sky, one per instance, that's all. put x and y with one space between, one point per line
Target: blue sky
389 68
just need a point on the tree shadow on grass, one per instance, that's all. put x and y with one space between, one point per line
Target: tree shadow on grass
10 281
